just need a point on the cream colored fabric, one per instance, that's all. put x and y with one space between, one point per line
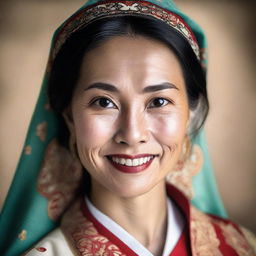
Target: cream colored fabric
54 243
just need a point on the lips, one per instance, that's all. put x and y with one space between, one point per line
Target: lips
131 164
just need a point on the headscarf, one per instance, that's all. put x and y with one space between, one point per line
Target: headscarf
47 176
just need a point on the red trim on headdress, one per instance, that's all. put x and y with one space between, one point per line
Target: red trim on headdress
190 37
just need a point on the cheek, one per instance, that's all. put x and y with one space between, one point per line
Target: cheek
169 128
169 132
93 131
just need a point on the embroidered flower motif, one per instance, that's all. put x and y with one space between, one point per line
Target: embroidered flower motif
23 235
235 240
182 176
125 7
59 178
84 236
28 150
41 130
250 237
119 8
204 240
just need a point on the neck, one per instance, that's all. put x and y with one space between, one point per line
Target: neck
143 216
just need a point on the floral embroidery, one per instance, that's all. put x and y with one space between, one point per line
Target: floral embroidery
22 235
59 178
235 239
28 150
84 236
250 237
204 240
113 8
182 178
41 131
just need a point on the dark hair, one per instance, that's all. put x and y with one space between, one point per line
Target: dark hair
66 67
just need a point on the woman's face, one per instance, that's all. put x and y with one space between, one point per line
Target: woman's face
129 114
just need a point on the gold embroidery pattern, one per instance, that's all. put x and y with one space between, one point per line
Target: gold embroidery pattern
84 236
182 178
251 238
108 8
235 240
41 130
28 150
204 240
59 178
22 235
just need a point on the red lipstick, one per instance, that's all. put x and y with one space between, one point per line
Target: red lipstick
131 163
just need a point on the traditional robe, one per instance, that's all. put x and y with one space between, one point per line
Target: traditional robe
82 233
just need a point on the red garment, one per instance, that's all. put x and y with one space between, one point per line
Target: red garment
203 235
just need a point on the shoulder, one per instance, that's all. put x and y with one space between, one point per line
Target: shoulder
52 244
223 235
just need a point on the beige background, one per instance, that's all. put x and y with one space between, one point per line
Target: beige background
26 28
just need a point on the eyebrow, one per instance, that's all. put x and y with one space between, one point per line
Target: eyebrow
102 86
150 88
159 87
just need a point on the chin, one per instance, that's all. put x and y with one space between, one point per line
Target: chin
131 191
132 187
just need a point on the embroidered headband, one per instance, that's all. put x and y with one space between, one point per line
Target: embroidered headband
113 8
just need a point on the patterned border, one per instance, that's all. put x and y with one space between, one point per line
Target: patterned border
84 236
122 8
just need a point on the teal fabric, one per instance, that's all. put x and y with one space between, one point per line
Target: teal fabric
207 197
26 209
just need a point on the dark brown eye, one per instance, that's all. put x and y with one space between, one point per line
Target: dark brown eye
104 103
158 102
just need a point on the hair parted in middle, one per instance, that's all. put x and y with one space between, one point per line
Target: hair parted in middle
67 64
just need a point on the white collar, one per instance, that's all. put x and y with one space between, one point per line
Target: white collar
174 229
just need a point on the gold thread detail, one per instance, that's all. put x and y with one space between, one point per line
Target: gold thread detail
23 235
41 130
204 239
28 150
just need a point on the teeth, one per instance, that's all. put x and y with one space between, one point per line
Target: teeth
132 162
128 162
135 162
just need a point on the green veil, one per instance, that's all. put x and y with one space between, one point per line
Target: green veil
24 218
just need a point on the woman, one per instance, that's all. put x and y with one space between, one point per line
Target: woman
127 93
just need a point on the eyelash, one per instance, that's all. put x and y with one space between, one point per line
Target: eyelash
167 102
96 101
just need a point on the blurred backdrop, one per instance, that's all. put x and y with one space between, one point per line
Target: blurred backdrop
26 27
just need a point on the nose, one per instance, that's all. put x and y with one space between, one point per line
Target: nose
132 128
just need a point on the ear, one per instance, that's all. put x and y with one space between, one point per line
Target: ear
190 121
68 117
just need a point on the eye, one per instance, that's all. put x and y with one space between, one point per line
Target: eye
158 103
104 103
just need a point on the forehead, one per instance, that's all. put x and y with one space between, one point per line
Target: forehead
136 60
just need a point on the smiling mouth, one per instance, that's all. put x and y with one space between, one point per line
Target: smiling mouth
131 164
